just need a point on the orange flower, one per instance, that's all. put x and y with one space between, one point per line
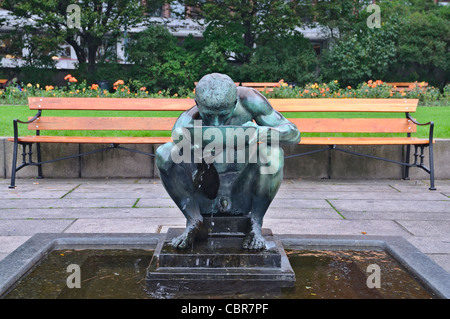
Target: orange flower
119 82
349 87
67 77
73 80
94 86
306 91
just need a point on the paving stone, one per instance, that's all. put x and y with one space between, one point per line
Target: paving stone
299 203
391 205
393 215
435 228
334 226
390 195
302 213
135 225
9 243
92 213
29 227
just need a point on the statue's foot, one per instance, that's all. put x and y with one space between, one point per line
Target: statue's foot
186 239
254 241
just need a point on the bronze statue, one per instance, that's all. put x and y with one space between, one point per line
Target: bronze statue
206 185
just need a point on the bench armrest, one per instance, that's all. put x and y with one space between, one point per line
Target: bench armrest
431 124
15 121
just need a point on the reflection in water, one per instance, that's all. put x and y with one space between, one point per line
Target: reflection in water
120 274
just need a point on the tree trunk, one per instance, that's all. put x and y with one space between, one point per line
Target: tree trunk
92 57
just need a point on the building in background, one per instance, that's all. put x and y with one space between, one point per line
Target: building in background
175 16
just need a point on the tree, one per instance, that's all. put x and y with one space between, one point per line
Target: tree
338 17
422 41
159 62
289 57
98 20
238 26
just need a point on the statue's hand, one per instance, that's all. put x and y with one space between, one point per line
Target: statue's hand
254 137
261 133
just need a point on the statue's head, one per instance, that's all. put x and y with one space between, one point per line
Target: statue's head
216 97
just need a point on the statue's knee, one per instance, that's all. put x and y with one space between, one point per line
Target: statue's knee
163 157
273 161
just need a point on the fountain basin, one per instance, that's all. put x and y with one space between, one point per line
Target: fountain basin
20 264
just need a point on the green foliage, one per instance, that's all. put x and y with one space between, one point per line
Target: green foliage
159 62
339 17
251 40
362 55
238 26
423 46
289 57
99 20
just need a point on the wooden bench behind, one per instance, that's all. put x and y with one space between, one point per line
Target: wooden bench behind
402 126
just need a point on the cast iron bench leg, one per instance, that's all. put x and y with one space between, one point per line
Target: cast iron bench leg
13 170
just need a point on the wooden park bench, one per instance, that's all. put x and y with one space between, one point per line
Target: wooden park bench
405 125
407 86
261 86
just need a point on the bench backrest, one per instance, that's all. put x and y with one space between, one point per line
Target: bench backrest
261 86
407 86
293 107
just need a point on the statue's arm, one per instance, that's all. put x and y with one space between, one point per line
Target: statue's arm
265 115
186 119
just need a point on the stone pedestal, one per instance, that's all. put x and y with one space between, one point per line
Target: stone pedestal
219 262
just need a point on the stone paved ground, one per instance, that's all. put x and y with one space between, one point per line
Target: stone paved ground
329 207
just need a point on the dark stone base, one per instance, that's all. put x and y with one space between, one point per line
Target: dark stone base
219 261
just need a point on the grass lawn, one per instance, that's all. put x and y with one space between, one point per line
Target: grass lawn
439 114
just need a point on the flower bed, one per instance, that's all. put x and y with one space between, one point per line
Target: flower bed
370 89
14 94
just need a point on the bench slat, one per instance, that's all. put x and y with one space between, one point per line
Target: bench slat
345 105
104 123
322 125
281 105
354 125
260 84
109 104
